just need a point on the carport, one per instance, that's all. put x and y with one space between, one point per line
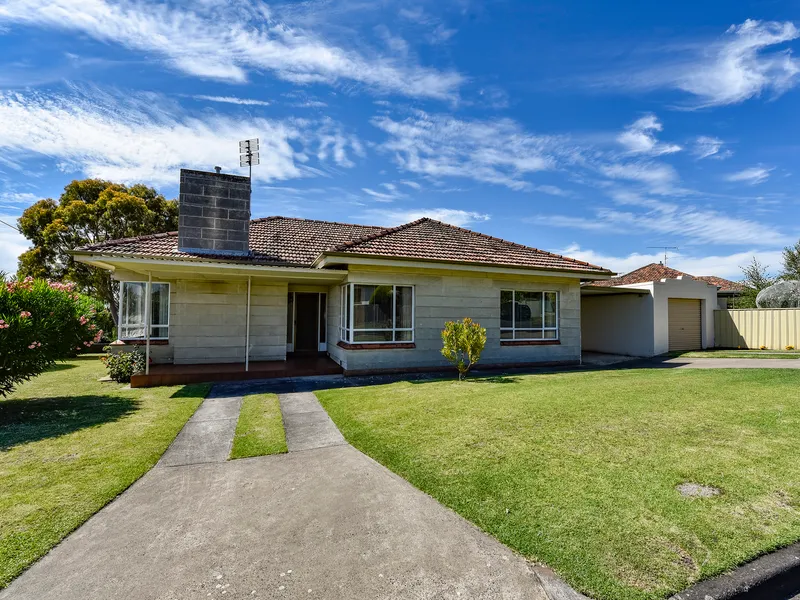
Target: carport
648 319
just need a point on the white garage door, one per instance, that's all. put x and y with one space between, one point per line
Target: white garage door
684 324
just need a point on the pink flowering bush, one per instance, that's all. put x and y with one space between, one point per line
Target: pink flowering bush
42 322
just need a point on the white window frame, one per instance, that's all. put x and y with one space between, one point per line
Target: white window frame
347 334
513 329
122 305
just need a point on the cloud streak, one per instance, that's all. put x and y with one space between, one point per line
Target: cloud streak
639 138
751 176
217 41
133 138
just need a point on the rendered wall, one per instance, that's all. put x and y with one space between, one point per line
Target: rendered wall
442 296
683 288
618 324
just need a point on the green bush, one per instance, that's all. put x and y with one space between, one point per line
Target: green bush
462 344
42 322
122 365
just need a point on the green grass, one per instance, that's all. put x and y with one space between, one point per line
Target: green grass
578 470
259 430
737 354
70 444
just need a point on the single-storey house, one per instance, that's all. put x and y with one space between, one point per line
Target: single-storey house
230 297
728 291
647 312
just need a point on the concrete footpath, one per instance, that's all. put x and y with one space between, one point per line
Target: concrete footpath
728 363
208 435
306 423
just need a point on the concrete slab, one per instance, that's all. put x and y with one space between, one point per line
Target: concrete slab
306 423
327 523
207 437
730 363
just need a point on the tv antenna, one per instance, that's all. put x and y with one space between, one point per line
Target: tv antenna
248 154
665 249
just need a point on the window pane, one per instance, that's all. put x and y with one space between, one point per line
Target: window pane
160 332
347 304
534 334
372 336
551 335
528 309
372 307
550 301
403 336
133 310
506 306
507 335
159 306
403 300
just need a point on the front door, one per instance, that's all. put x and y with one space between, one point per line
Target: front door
306 336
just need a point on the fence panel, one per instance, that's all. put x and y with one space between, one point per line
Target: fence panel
774 328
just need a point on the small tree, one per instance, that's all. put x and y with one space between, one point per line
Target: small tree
756 277
42 322
462 344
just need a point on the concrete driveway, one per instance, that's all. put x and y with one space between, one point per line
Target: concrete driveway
322 523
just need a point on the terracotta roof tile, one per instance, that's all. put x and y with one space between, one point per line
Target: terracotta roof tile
657 272
285 241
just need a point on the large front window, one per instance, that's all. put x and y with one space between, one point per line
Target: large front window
133 309
528 315
372 314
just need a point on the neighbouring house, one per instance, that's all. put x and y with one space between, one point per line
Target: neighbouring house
230 297
728 292
649 311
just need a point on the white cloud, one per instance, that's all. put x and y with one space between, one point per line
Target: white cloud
742 64
225 42
727 266
447 215
232 100
492 151
133 138
751 176
659 178
12 244
689 224
412 184
380 196
710 147
639 137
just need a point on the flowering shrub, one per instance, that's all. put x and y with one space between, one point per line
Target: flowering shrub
42 322
462 344
790 347
123 364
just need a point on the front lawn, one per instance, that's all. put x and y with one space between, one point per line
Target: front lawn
70 444
737 354
579 470
259 430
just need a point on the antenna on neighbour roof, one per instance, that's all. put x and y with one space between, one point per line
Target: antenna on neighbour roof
248 154
665 249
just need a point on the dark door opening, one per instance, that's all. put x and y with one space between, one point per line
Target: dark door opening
306 334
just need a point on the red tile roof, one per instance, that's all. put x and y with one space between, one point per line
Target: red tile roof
657 272
724 285
285 241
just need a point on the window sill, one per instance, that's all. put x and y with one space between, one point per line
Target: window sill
378 346
530 342
144 342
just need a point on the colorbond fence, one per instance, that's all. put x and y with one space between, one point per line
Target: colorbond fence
774 328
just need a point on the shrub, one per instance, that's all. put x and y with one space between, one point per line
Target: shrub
122 365
790 347
41 322
462 344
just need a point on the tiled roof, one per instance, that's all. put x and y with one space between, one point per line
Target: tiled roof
724 285
288 241
428 239
657 272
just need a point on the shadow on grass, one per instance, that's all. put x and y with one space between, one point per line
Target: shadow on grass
61 367
195 390
25 421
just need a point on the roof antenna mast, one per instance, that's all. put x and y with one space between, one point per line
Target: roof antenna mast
248 154
665 249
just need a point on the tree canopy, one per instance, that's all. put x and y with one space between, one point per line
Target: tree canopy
89 211
791 262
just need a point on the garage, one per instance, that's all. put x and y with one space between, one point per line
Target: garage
685 324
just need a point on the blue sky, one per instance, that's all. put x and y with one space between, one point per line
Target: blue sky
590 129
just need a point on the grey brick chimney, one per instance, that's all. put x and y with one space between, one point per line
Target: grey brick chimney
214 213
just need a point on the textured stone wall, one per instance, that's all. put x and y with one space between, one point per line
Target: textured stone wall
214 213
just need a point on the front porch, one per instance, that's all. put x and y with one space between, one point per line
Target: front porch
293 366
